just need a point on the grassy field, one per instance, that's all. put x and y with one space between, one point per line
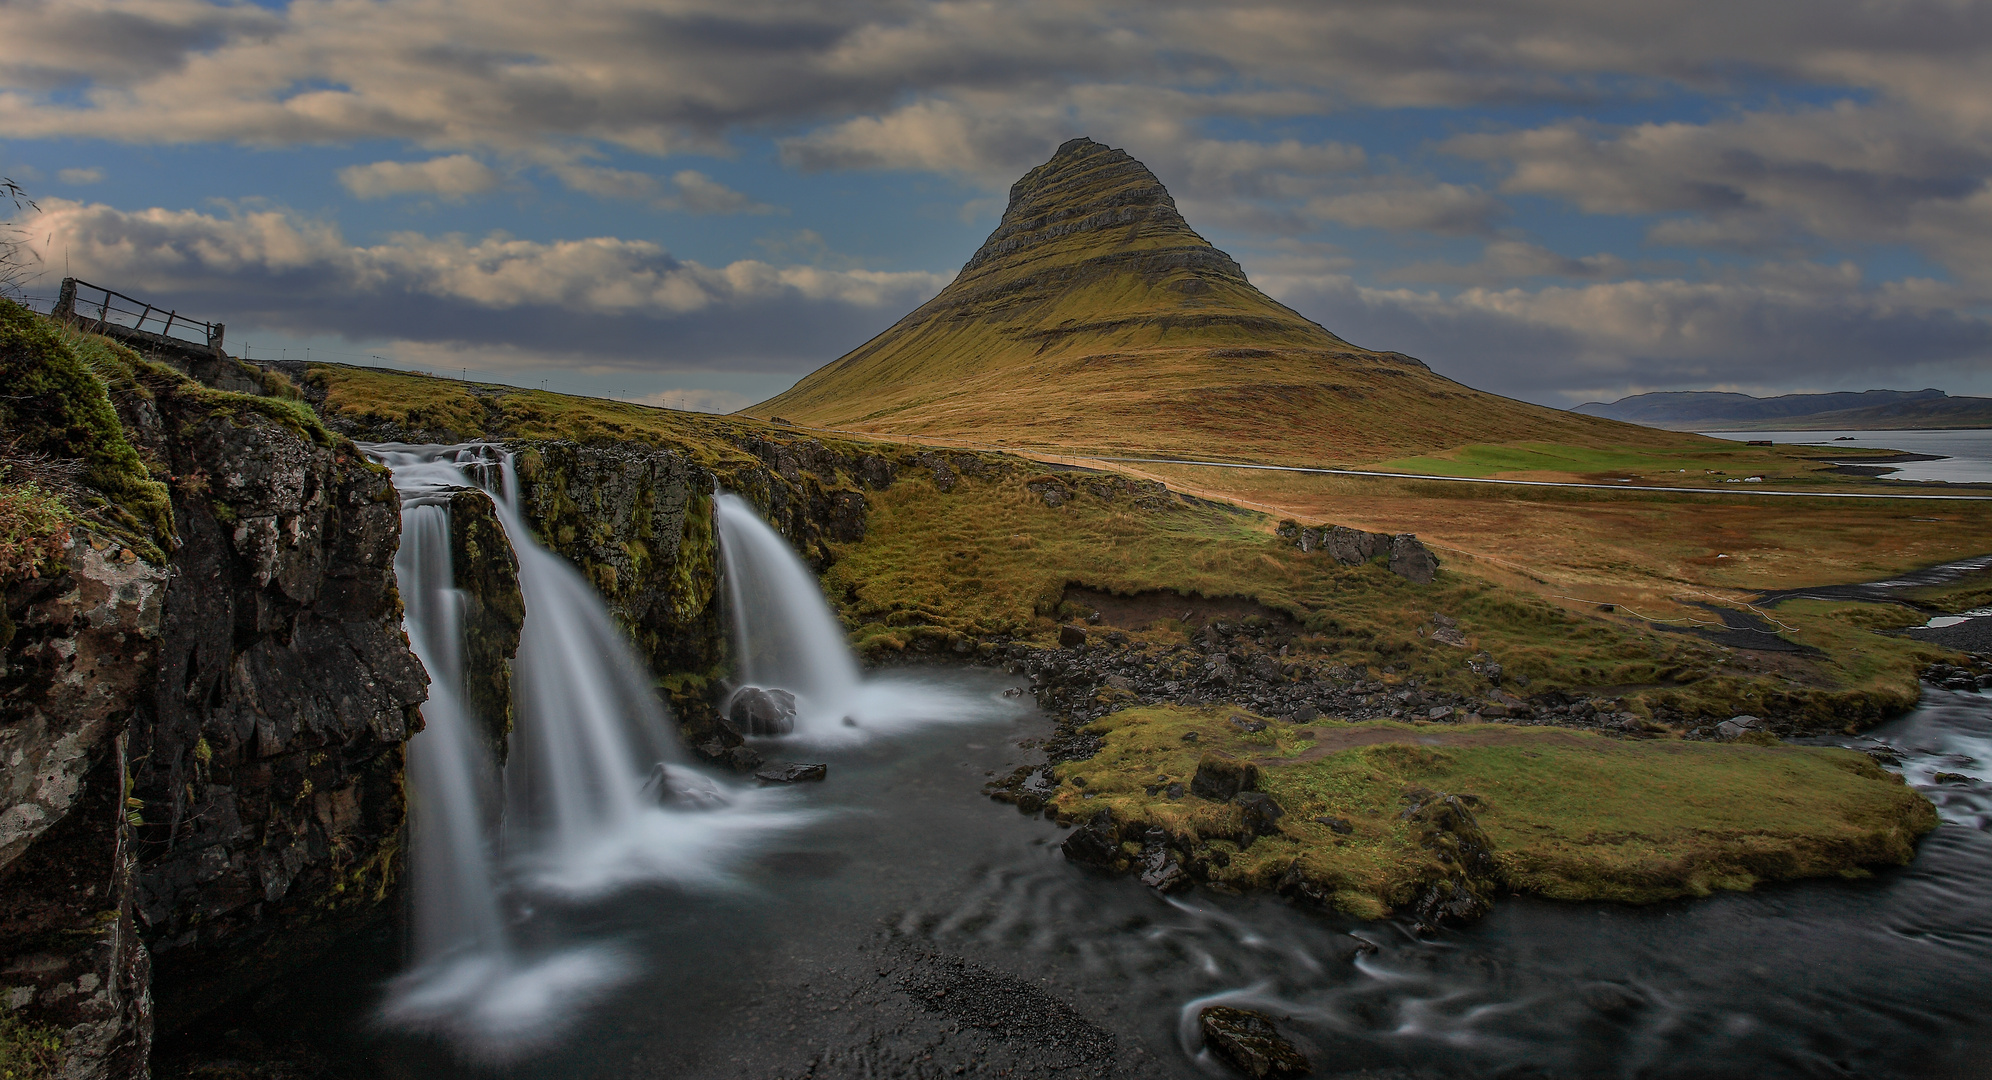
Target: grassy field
992 558
1570 815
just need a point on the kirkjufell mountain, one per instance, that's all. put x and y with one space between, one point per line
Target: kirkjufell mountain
1095 318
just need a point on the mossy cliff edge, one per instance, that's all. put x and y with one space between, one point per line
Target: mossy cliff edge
210 687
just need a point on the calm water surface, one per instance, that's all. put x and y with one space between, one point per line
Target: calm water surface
1966 455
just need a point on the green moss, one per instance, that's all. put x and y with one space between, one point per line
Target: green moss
1571 815
29 1051
59 406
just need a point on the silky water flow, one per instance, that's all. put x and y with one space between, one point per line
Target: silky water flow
786 637
595 796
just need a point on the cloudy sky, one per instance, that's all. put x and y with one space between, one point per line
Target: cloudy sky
695 202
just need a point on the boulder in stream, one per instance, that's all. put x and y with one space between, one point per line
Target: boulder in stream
1248 1041
791 772
756 710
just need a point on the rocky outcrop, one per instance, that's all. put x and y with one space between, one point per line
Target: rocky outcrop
486 573
80 661
269 760
1352 547
203 724
637 521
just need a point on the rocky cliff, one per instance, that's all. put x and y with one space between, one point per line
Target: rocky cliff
203 714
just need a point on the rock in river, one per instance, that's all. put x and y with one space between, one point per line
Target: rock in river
1248 1041
756 711
791 772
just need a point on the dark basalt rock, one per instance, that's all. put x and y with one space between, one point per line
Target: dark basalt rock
757 711
1464 877
1095 843
1261 812
1051 490
1219 779
1248 1041
215 753
1352 547
1071 637
486 573
791 772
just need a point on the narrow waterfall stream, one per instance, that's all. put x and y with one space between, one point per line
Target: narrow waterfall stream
785 637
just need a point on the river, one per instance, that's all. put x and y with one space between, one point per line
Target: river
873 941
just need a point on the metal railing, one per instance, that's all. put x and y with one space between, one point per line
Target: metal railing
104 310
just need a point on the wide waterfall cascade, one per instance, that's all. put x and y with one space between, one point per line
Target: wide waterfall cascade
786 637
593 794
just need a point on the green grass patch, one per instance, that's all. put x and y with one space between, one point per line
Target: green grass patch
1668 465
1572 815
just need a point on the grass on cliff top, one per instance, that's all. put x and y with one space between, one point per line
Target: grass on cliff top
992 558
1570 815
467 410
56 417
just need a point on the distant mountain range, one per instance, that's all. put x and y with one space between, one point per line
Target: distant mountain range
1869 409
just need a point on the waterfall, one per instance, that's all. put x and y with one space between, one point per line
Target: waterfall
784 634
786 637
456 908
594 795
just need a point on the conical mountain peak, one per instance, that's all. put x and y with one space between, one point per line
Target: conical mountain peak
1088 187
1095 318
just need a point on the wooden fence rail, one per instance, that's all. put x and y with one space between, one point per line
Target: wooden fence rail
107 311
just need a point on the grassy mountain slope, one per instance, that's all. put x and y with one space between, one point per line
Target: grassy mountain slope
1095 318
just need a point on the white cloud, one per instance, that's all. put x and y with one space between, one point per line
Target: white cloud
1441 208
1783 324
700 194
80 176
450 178
274 268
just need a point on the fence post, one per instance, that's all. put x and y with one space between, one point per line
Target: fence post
65 302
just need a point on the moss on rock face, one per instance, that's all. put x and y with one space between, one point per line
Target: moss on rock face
1383 816
487 574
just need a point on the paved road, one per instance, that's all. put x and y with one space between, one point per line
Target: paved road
1738 490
